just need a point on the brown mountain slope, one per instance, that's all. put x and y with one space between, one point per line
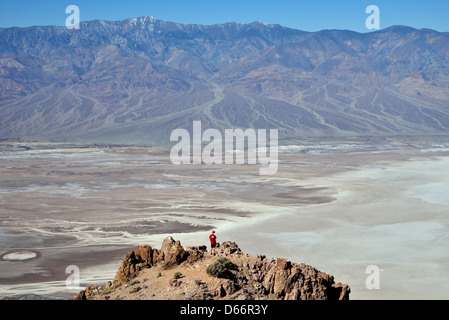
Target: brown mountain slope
134 81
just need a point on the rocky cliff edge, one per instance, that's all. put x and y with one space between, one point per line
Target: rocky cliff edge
175 272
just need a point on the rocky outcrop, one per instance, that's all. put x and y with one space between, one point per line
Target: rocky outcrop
284 280
171 254
251 277
291 281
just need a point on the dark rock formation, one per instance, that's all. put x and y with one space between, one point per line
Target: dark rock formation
251 277
170 255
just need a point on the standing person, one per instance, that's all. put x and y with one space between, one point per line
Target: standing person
213 242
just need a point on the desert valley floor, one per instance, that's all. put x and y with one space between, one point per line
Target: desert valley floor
339 206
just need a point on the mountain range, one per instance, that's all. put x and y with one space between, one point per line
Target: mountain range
135 81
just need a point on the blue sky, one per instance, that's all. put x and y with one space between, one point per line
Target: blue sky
309 15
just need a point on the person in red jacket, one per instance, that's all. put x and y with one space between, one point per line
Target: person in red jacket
213 242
